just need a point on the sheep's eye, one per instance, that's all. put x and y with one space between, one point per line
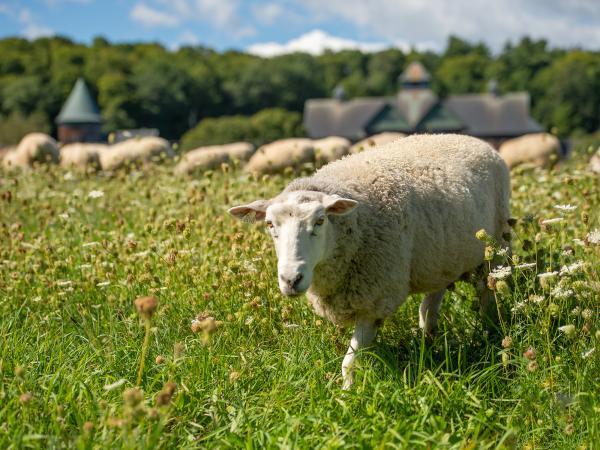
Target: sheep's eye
269 224
320 221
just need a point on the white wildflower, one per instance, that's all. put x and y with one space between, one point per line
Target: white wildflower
559 292
571 268
291 325
578 242
68 176
64 216
588 353
547 275
566 208
103 284
518 306
576 311
502 252
115 385
63 283
526 265
90 244
501 272
85 266
593 237
536 299
567 330
551 221
95 194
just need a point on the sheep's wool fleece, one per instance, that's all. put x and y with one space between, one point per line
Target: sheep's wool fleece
537 149
212 156
595 162
81 155
330 148
377 139
421 201
278 155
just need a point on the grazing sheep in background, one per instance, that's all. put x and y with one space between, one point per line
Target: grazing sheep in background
136 151
81 156
365 231
376 140
33 148
330 149
539 149
211 157
278 155
595 162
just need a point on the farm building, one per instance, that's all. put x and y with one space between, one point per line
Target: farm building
79 119
417 109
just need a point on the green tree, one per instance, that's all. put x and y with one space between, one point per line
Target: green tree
572 93
265 126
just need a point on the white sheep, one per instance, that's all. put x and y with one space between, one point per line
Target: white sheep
136 151
595 162
538 149
33 148
81 156
278 155
330 148
376 140
212 156
366 231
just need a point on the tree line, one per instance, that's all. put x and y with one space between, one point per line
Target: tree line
147 85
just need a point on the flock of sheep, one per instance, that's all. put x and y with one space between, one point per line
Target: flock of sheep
541 150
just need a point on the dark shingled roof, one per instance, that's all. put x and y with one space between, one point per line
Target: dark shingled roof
80 107
491 115
416 108
332 117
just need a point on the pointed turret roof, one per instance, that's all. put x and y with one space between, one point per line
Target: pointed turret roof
80 107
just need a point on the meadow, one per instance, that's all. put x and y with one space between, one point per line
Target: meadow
230 363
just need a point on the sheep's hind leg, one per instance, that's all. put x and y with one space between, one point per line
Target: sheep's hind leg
363 335
429 311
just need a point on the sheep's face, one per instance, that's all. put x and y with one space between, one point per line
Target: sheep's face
300 228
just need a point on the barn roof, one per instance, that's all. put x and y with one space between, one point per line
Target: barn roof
416 108
80 107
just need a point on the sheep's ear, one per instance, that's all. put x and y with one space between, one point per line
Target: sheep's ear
339 206
252 212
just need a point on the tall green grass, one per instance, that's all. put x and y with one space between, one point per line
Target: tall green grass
268 376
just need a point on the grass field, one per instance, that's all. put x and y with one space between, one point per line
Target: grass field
76 251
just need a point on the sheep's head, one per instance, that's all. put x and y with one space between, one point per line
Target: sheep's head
300 227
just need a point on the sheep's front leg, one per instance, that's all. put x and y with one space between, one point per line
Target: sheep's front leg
363 335
429 311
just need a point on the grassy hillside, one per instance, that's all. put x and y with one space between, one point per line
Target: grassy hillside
76 251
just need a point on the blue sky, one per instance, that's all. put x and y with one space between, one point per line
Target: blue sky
269 27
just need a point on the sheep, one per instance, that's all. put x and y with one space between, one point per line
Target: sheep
278 155
33 148
81 156
366 231
211 157
538 149
376 140
595 162
135 151
330 148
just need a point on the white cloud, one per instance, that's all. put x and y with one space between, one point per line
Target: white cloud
267 13
150 17
185 38
222 14
314 42
561 22
31 28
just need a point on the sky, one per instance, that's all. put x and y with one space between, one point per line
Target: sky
269 27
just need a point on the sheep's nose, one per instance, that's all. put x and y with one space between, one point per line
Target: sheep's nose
292 283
